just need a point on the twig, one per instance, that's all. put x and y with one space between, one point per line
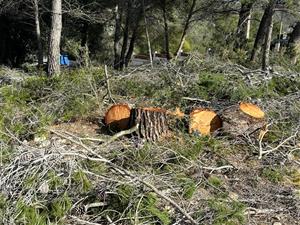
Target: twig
217 168
83 221
92 139
121 133
196 99
261 137
109 220
105 142
94 205
278 146
253 211
173 203
72 140
136 218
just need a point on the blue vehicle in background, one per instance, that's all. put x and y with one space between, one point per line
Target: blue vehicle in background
64 60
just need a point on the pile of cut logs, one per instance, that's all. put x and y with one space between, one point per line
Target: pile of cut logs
154 123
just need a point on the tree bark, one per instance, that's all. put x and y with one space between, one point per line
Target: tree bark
166 29
294 43
278 45
40 53
117 38
55 38
152 123
147 34
185 29
267 45
243 25
84 53
133 38
125 35
260 36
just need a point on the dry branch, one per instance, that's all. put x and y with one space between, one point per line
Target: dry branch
125 172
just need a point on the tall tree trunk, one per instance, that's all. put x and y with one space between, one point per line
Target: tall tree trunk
185 29
117 38
55 36
262 30
38 33
278 44
166 29
267 46
147 34
130 48
294 43
268 36
243 25
125 35
84 53
133 38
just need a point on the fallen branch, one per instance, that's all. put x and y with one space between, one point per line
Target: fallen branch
84 222
196 99
173 203
121 133
105 142
216 168
125 172
261 152
254 211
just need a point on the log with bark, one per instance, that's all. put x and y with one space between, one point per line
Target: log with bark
242 119
153 122
117 117
204 121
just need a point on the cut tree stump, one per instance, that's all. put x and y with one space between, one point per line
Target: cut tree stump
204 121
153 122
242 119
117 117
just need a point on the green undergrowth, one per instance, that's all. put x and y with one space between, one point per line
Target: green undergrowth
39 214
27 107
209 86
38 101
227 212
146 207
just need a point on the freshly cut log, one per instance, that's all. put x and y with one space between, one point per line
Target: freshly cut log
252 110
117 117
242 119
153 122
204 121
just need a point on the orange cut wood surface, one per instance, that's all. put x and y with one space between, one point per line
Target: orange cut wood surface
117 117
204 121
177 113
252 110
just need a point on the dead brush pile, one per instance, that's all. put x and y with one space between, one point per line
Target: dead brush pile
71 170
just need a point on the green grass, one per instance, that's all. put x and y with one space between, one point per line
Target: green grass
227 212
29 106
39 214
274 175
215 181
